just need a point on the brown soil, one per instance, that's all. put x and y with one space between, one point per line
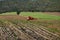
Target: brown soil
13 17
53 13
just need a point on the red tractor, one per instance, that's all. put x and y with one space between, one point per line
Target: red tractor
30 18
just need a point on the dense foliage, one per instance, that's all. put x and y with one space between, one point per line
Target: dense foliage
29 5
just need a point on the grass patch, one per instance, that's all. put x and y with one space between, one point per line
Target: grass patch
8 13
41 15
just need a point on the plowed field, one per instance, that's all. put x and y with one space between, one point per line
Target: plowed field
18 28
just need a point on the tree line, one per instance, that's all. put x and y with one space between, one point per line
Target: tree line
29 5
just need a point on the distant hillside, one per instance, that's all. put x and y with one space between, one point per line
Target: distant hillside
29 5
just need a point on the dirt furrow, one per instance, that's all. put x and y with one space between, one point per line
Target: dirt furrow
37 33
30 32
41 31
19 33
46 33
37 30
6 34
